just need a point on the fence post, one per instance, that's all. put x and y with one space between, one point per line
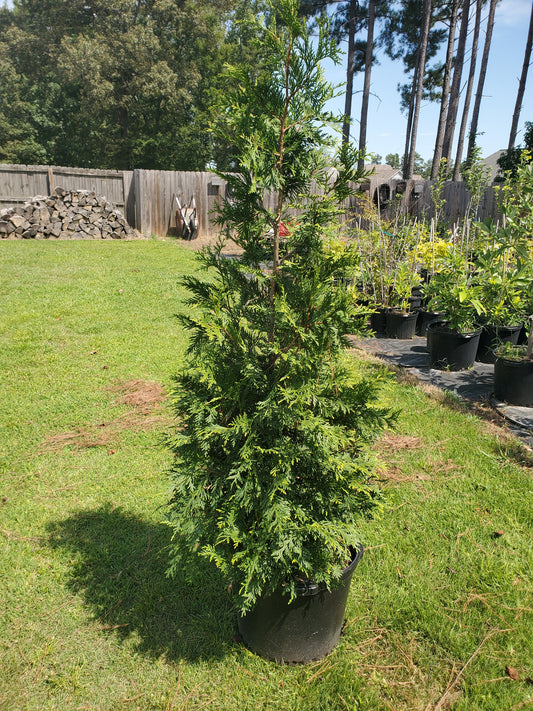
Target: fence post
137 200
51 186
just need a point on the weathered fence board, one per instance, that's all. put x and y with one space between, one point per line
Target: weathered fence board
147 196
20 182
155 191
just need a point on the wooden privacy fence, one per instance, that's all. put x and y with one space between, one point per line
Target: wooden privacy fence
147 197
155 192
18 183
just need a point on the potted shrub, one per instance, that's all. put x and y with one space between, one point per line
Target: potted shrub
429 253
401 319
389 253
453 343
272 462
503 273
513 372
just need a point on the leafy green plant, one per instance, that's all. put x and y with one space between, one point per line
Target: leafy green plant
503 284
452 291
504 254
477 177
405 279
509 351
388 261
437 195
517 203
272 465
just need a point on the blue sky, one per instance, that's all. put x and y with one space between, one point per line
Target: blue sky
386 123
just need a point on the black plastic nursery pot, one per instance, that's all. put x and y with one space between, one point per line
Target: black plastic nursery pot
301 631
513 381
493 336
450 350
425 318
415 302
378 321
400 324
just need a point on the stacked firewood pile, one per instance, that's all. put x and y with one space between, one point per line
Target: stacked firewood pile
72 214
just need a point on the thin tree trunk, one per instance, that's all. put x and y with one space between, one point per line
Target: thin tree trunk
455 90
445 92
481 80
349 72
409 128
428 5
468 95
366 86
522 84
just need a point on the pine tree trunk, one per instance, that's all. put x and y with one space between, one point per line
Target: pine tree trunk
349 72
366 87
468 95
445 92
455 90
522 84
481 80
428 5
409 127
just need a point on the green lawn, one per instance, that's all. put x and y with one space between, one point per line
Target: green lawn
440 610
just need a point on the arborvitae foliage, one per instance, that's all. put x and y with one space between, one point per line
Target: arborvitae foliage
272 460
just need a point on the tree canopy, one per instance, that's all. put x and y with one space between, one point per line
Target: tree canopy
115 83
139 83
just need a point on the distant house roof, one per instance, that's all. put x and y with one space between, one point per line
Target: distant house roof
384 172
492 163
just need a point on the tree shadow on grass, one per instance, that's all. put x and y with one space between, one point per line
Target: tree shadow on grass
118 567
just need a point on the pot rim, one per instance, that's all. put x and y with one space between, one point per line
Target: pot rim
441 327
515 362
505 327
394 311
308 588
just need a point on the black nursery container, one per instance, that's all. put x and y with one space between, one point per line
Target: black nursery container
492 336
425 318
301 631
400 324
513 381
378 320
450 350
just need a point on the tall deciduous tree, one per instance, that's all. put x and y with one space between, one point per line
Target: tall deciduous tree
120 83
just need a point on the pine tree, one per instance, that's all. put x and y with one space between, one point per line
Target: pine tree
522 84
271 455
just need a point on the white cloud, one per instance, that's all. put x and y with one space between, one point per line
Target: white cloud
513 13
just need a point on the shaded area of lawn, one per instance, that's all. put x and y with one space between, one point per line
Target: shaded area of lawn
118 564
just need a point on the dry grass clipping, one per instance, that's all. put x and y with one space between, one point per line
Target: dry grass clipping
143 398
493 422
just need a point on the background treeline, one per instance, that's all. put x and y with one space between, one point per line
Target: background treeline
138 83
116 83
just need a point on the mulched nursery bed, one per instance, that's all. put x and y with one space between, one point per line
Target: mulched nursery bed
475 384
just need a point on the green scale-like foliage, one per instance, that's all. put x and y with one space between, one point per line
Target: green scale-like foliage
272 461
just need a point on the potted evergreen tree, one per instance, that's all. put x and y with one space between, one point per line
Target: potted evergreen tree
273 466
